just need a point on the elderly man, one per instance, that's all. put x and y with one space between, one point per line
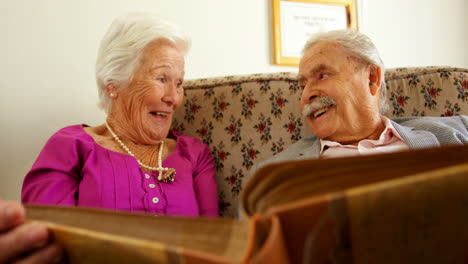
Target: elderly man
343 98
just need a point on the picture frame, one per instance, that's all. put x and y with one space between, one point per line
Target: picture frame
294 21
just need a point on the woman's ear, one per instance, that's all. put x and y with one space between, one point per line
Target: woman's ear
375 78
111 90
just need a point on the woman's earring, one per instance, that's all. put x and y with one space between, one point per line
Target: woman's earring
112 95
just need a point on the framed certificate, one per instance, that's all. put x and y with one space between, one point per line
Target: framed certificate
295 21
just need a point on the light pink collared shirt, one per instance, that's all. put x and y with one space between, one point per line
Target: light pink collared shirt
389 141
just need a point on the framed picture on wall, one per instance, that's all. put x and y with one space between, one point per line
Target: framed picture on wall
294 21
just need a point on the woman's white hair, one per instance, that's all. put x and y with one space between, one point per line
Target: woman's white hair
359 46
122 47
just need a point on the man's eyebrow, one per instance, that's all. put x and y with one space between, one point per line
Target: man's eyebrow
319 68
314 70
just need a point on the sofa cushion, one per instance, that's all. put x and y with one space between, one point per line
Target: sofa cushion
429 91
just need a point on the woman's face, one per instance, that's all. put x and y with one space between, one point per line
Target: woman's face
143 110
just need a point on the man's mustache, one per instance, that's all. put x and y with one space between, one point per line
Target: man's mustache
317 103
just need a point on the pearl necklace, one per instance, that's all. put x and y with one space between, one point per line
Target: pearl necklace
170 172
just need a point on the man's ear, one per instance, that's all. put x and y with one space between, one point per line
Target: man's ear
375 78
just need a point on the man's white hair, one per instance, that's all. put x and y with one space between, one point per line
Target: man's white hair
122 47
359 46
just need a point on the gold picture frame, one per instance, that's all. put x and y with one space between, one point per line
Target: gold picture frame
294 20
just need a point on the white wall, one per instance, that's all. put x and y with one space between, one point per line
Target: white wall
48 49
418 32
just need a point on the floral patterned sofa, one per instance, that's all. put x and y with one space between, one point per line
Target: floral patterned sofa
245 119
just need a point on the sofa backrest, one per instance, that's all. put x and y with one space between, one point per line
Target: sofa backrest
246 119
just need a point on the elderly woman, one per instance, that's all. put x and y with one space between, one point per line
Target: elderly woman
133 161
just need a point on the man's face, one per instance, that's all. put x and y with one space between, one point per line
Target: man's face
351 111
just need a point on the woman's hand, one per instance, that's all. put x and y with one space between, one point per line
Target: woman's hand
24 242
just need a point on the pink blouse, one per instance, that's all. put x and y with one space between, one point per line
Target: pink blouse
73 169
